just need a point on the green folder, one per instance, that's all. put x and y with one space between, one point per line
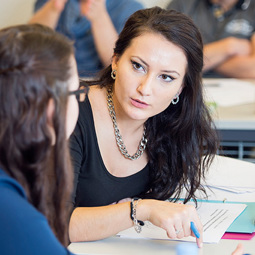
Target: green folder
245 222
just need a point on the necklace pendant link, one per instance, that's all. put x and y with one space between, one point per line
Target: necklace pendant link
118 137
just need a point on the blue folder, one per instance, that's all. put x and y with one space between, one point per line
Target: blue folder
245 222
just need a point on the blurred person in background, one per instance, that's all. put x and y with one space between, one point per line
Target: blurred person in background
93 25
227 28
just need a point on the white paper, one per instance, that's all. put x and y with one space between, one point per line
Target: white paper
231 173
229 179
229 92
237 190
215 217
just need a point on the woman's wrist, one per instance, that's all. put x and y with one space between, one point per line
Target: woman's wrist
143 210
133 209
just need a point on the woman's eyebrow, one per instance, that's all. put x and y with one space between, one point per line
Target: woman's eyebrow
164 71
169 71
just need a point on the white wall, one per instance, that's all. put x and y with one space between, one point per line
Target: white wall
151 3
13 12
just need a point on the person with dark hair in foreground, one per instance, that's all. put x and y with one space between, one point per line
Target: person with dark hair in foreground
38 111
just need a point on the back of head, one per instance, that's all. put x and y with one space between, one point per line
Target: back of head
34 69
34 61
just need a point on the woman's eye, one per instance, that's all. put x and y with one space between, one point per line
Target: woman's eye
137 66
167 78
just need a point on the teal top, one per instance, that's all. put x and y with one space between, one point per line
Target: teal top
24 230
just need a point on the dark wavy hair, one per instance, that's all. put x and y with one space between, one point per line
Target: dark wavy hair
182 140
35 65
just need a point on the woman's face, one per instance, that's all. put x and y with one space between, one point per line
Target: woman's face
72 104
149 75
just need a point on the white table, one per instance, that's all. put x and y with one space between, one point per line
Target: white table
222 167
238 115
235 123
124 246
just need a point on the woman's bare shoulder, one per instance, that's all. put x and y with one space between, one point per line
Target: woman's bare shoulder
97 98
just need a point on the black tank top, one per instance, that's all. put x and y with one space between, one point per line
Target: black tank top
93 184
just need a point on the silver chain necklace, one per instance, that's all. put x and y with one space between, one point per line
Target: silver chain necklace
118 137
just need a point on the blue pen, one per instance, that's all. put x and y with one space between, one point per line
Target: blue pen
194 229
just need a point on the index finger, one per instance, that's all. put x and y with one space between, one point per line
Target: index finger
196 233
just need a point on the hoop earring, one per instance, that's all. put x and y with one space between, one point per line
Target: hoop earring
113 74
176 99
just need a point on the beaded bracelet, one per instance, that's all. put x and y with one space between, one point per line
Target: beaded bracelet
137 223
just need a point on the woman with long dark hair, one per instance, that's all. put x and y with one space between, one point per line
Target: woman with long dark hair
143 132
38 111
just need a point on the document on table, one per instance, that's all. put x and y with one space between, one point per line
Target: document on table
225 174
237 190
215 217
229 92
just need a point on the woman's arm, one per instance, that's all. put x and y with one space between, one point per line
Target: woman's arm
240 66
95 223
219 52
103 30
49 14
